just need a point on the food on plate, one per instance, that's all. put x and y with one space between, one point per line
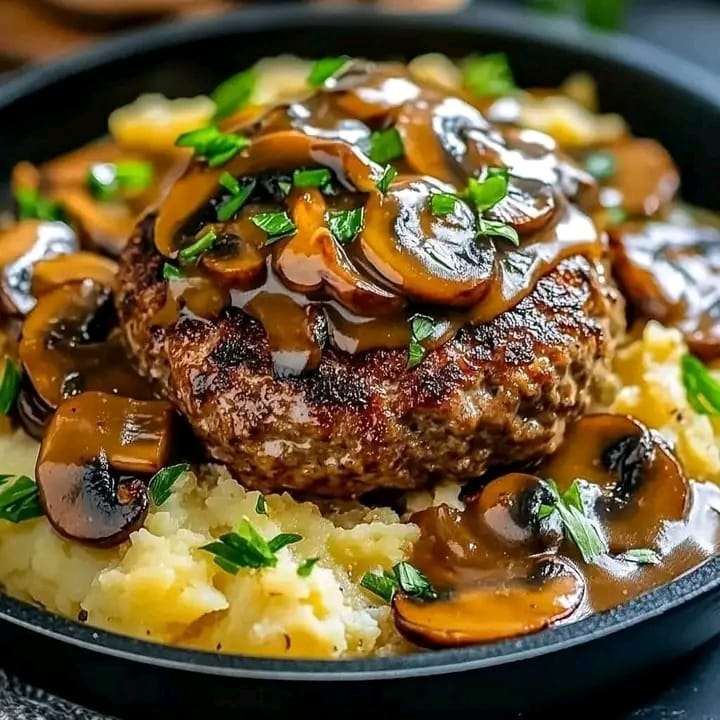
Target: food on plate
351 358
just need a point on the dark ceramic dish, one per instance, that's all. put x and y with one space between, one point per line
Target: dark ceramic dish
49 110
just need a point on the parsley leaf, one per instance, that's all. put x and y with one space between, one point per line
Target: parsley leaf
261 506
345 224
578 526
641 556
495 228
214 146
422 327
246 547
234 93
31 204
276 225
107 181
9 386
326 68
162 482
192 252
488 75
238 196
172 272
485 194
306 566
19 500
701 388
388 175
405 577
315 177
442 203
386 145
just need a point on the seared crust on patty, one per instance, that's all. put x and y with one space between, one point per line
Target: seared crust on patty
499 393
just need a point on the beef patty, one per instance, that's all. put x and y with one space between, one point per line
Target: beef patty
501 392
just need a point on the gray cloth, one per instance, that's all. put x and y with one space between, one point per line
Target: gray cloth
22 702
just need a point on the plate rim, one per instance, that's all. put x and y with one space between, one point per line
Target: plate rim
630 53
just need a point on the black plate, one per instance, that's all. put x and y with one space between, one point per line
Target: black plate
53 109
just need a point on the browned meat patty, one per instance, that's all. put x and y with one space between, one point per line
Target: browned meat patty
500 393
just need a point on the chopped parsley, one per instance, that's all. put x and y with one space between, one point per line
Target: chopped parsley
238 196
19 500
276 225
191 253
442 203
701 388
108 181
32 204
245 547
261 506
488 75
234 93
422 327
578 526
162 482
172 272
9 386
601 164
486 194
385 146
326 68
495 228
388 175
214 146
306 566
316 177
345 224
405 577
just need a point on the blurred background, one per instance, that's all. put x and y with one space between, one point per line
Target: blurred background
39 30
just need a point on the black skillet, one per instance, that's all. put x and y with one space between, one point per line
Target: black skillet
53 109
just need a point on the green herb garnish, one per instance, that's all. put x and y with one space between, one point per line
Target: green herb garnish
422 327
488 75
246 547
601 164
495 228
214 146
582 529
162 482
405 577
701 388
31 204
605 14
317 177
306 566
442 203
261 506
234 93
276 225
386 145
238 196
326 68
9 386
192 252
640 556
388 175
345 224
172 272
108 181
19 500
486 194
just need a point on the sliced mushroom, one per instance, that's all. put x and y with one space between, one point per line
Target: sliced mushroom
236 258
48 274
671 273
68 345
94 448
528 205
502 607
642 485
429 258
22 247
313 262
